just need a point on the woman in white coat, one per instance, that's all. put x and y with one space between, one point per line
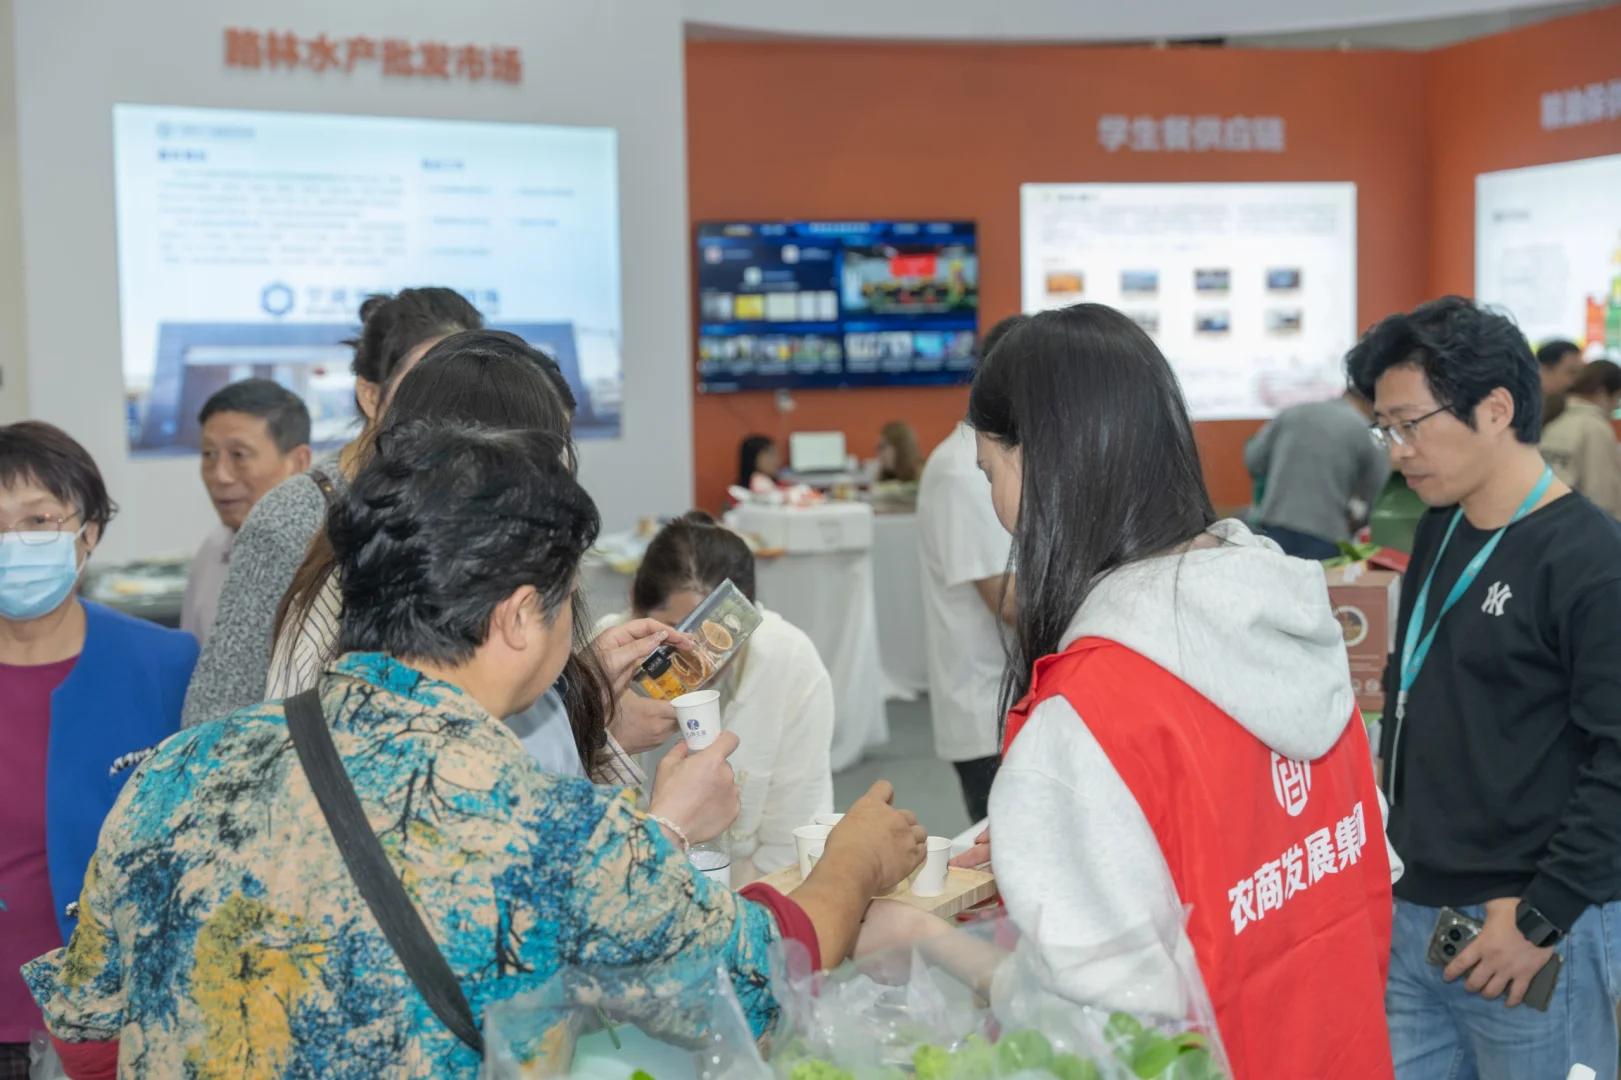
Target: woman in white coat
776 694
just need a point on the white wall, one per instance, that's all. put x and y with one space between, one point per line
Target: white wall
611 63
13 358
1070 20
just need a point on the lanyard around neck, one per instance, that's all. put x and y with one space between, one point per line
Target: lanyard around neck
1416 648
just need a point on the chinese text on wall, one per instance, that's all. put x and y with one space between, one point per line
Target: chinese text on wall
1192 134
396 57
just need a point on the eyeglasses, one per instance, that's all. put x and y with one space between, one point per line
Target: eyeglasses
37 530
1402 432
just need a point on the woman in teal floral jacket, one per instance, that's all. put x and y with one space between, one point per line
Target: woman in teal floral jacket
220 933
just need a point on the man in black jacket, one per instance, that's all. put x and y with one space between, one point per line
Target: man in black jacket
1502 730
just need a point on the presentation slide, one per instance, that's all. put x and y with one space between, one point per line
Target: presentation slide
1248 289
247 241
1548 251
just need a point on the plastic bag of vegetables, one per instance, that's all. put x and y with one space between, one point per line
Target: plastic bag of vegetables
623 1023
981 1002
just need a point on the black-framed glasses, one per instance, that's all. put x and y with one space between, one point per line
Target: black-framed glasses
1402 432
37 530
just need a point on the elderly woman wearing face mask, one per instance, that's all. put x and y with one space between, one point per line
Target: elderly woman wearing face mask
86 693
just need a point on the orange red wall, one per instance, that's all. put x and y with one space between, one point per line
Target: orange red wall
1485 100
840 130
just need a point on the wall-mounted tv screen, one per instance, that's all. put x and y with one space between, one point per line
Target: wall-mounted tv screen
808 304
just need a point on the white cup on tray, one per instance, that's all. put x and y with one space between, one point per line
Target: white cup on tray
809 839
931 879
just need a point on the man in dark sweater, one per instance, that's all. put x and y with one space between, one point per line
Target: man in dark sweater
1502 733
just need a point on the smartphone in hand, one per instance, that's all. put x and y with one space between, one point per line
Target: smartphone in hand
1454 930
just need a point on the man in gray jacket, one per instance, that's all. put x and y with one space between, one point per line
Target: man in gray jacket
1315 459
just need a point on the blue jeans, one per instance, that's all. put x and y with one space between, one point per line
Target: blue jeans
1440 1031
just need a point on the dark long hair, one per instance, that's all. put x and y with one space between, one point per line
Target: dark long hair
494 379
392 327
748 456
446 522
693 552
1111 471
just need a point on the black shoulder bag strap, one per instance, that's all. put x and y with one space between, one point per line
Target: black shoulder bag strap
329 492
372 873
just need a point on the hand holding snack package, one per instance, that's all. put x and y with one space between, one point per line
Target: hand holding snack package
719 627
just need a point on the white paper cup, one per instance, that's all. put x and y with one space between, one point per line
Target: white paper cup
806 838
829 820
697 715
931 880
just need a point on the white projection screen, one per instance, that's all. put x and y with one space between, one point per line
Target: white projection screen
1248 289
247 241
1548 251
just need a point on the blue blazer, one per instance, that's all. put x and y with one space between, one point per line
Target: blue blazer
122 696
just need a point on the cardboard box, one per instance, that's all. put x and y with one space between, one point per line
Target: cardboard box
1367 604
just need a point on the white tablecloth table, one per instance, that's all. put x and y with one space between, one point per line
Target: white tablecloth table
898 591
828 596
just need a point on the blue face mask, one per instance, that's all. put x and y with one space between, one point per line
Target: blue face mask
36 577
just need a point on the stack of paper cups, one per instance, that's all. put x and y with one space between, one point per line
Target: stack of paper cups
698 716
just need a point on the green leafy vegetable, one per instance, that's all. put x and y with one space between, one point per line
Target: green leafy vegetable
819 1070
931 1063
1070 1067
640 1075
973 1060
1147 1053
1152 1054
1197 1064
1021 1050
1122 1029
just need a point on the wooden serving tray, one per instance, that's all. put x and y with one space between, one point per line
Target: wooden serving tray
964 889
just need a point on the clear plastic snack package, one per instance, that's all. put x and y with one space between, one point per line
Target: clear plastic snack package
981 1002
719 627
672 1021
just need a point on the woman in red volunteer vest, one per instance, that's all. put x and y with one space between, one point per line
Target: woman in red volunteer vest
1183 730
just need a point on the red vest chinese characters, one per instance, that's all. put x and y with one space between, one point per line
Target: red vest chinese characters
1282 862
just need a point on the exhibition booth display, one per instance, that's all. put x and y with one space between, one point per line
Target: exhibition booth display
247 237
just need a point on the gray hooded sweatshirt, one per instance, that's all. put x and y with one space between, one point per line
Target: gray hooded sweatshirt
1075 858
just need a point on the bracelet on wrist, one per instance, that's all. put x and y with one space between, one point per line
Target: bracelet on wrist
686 845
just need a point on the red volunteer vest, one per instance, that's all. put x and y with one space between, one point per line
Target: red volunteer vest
1282 862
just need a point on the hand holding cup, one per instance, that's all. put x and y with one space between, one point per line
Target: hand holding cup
698 790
